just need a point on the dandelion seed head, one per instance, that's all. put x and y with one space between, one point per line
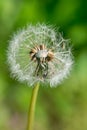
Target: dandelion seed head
39 53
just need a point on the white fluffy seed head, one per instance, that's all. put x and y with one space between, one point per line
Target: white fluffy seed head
19 59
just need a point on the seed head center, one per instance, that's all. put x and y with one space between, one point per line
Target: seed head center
42 54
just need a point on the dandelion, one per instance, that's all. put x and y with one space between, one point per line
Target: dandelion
39 54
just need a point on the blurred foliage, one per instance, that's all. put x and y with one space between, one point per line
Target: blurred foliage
61 108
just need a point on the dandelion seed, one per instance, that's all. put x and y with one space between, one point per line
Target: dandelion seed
38 53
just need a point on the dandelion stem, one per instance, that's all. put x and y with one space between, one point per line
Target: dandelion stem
32 107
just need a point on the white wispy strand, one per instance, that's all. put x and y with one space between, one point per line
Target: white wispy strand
21 65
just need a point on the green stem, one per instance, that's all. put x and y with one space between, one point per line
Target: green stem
32 107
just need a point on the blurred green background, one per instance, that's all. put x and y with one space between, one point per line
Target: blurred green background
61 108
